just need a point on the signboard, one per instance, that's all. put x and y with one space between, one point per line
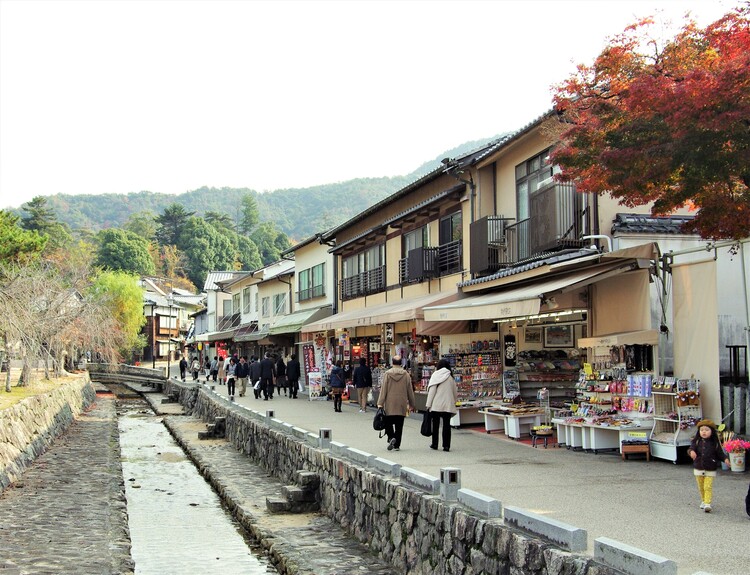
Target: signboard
389 333
315 385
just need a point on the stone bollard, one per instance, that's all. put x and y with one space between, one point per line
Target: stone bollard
325 436
270 414
450 483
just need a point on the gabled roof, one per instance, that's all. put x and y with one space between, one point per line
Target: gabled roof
213 278
510 138
647 224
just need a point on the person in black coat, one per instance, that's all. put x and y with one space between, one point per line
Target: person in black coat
292 376
255 376
362 379
281 375
267 375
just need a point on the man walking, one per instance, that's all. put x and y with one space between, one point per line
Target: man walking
267 373
293 375
255 376
396 398
362 379
215 368
242 371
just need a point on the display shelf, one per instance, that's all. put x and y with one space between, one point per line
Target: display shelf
478 374
559 376
674 420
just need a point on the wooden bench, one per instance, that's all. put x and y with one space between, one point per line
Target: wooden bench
627 449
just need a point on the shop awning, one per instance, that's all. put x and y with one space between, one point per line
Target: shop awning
646 336
216 335
251 335
402 310
522 301
293 322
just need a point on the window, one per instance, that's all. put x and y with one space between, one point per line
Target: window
369 259
530 176
311 282
236 303
256 302
266 305
450 228
246 300
226 307
418 238
279 304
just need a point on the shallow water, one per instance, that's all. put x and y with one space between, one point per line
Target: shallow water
177 523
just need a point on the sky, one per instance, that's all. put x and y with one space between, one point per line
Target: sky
167 96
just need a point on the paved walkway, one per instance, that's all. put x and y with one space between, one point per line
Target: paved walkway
650 505
67 514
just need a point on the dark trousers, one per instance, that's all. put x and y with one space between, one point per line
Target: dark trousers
394 428
337 397
266 384
256 392
293 387
214 373
230 386
445 417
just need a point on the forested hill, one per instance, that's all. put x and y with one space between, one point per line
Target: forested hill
298 212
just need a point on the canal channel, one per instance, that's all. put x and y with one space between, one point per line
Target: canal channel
177 522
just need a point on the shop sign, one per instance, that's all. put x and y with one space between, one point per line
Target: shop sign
374 347
344 339
389 333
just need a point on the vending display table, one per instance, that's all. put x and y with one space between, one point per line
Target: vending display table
594 437
514 421
468 413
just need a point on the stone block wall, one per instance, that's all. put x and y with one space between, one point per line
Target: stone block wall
28 428
417 533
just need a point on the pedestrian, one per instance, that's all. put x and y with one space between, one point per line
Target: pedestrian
281 382
254 376
231 377
397 399
214 369
292 376
222 370
183 368
442 394
267 375
241 372
362 378
707 454
195 367
337 384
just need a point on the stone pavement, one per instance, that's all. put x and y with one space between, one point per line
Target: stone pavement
68 513
653 506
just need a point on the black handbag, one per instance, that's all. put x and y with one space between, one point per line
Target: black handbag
426 428
378 423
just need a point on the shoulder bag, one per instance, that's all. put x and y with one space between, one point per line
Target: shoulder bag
426 428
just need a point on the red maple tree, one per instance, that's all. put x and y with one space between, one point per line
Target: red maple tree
665 124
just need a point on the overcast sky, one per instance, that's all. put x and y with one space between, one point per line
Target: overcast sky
168 96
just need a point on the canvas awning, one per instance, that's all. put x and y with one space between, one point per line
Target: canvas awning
401 310
646 336
519 302
293 322
216 335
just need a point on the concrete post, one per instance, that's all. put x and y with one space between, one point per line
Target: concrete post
270 414
450 483
325 436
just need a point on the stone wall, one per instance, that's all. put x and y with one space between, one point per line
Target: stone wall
416 532
28 428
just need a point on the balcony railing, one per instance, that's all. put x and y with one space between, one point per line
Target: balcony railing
560 217
425 263
362 284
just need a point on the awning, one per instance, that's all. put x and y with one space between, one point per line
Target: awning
215 335
402 310
252 335
646 336
293 322
522 301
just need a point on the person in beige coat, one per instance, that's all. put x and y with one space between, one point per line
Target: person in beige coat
397 399
442 394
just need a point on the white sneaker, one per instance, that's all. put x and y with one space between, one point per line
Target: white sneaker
707 508
361 410
703 505
392 444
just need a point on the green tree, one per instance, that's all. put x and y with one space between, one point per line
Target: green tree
17 244
250 215
270 241
124 251
205 249
142 224
248 256
171 223
42 219
221 221
120 295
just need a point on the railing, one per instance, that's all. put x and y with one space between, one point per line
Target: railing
365 283
450 258
560 217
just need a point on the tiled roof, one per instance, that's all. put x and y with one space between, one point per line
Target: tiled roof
647 224
502 142
545 259
214 277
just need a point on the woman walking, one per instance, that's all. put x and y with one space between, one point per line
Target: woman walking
442 394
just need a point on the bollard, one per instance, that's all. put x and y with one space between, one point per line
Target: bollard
270 414
324 438
450 483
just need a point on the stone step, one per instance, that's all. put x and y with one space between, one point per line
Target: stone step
307 479
278 505
205 435
297 494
